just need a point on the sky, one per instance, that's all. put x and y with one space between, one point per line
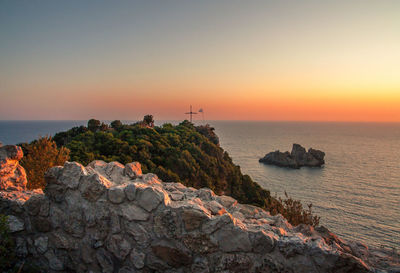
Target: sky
238 60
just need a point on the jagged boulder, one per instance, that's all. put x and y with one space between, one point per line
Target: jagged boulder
299 157
12 174
105 218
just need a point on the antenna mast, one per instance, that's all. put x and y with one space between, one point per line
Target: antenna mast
191 113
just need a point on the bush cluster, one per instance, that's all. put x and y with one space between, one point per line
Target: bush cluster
39 156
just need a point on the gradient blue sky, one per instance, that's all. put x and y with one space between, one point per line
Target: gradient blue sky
264 60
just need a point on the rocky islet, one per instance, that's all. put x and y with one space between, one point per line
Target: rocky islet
297 158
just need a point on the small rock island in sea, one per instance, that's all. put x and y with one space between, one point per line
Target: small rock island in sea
299 157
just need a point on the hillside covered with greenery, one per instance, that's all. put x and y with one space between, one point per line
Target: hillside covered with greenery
183 153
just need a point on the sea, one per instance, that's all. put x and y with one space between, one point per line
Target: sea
356 193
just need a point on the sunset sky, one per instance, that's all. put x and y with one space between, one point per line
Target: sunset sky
238 60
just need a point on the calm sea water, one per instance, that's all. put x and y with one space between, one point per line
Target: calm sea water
357 192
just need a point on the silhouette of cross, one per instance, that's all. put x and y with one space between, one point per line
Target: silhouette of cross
191 113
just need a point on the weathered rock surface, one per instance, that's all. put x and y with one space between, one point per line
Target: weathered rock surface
103 218
299 157
12 175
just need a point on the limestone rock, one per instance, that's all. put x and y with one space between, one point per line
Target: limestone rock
118 246
232 239
12 175
172 253
71 174
93 186
137 258
133 212
116 194
130 191
15 224
133 170
41 244
150 197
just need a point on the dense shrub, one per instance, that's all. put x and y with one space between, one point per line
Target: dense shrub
183 153
295 213
39 156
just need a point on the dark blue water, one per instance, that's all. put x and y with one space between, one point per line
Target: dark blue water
13 132
357 192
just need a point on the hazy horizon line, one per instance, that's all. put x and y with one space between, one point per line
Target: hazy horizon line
199 121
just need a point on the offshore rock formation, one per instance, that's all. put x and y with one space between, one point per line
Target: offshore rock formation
299 157
108 217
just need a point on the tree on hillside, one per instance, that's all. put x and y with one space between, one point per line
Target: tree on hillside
116 124
93 125
39 156
148 120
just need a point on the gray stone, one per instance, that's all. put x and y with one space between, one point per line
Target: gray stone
200 265
60 240
114 171
139 233
231 240
215 208
151 179
126 269
116 194
172 253
71 174
218 222
130 191
21 249
133 170
206 194
133 212
176 195
115 223
93 186
118 246
45 207
263 242
42 224
54 262
33 205
149 198
54 189
137 258
41 244
15 224
74 224
193 218
226 201
105 260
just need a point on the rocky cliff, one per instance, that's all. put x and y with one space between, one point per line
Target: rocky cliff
299 157
108 217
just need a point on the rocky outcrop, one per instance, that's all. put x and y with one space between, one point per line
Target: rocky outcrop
299 157
12 175
108 217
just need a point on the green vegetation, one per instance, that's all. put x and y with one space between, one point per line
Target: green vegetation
7 255
39 156
184 153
